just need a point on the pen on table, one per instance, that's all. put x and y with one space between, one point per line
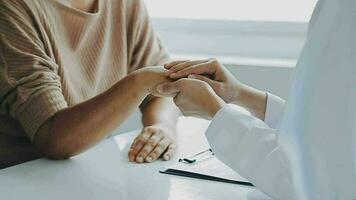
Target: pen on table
193 158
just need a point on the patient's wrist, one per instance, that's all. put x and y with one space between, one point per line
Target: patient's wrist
140 82
148 78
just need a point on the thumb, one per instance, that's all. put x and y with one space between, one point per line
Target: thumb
202 78
168 89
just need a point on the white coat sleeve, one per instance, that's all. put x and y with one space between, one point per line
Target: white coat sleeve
251 148
274 110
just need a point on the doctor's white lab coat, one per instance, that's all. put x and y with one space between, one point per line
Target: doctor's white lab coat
305 148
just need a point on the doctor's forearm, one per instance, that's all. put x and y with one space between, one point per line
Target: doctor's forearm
253 100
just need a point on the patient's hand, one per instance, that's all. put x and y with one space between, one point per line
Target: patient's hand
152 143
150 77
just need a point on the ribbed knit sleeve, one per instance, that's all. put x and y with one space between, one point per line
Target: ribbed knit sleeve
147 49
30 88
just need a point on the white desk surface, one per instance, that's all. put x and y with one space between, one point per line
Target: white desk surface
104 173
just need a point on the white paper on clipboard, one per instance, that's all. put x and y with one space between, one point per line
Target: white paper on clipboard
209 169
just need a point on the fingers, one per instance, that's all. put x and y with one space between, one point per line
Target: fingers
181 85
151 145
159 150
186 64
170 152
202 78
202 68
178 99
168 89
174 63
139 143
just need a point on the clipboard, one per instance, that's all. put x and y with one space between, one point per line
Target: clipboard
206 166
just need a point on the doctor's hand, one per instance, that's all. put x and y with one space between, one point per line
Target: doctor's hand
210 71
152 143
193 97
223 82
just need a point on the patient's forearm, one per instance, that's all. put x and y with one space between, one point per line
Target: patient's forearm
77 128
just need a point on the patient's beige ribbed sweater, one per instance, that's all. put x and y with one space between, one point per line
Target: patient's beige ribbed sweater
53 56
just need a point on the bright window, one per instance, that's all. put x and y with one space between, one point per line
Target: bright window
237 32
242 10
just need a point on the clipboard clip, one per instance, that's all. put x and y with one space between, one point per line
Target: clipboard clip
197 157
